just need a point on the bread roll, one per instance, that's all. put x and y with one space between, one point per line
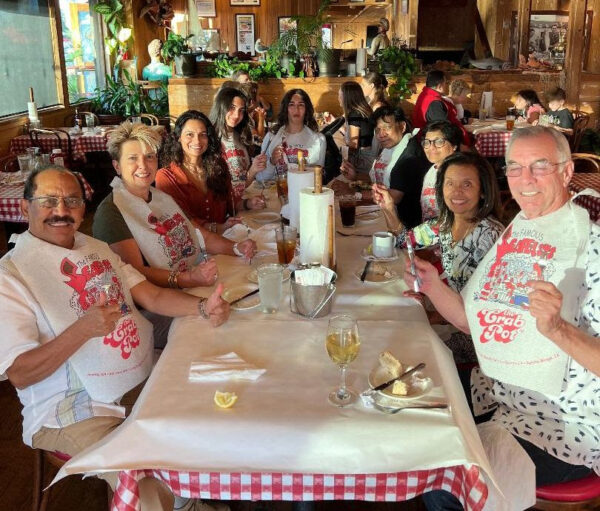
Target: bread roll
400 388
390 363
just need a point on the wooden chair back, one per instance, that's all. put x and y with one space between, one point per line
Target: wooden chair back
581 121
9 163
149 119
586 162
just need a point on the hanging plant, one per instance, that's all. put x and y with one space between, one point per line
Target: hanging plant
401 65
113 14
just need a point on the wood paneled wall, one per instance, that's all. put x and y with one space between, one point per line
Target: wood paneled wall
454 16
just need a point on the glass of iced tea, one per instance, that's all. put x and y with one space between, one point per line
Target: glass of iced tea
286 243
282 186
342 344
348 210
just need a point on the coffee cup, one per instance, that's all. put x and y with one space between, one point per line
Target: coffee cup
383 244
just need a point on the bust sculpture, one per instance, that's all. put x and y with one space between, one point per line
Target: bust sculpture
156 70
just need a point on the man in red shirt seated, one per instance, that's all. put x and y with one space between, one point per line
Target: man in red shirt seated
431 106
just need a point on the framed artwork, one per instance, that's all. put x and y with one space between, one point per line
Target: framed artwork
548 35
244 33
206 8
244 2
285 23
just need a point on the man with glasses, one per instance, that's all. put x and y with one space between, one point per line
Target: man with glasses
531 308
73 343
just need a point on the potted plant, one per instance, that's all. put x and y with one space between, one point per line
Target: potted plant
401 65
119 100
176 49
306 41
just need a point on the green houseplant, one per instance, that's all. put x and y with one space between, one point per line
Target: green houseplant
305 41
176 49
118 100
400 64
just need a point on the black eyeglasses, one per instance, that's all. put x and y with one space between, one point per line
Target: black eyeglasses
50 202
437 142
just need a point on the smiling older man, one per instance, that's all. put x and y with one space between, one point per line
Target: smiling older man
72 342
531 308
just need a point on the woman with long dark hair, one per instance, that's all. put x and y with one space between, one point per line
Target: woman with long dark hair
196 176
232 123
374 86
296 131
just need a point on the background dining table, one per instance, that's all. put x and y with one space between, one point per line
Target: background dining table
282 440
491 137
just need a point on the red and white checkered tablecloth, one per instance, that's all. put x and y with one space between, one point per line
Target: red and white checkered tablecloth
492 143
11 195
81 144
581 181
465 482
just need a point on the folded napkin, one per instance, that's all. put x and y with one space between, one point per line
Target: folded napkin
224 367
314 276
237 233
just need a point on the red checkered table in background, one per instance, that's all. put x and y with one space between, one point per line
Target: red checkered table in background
465 482
581 181
11 195
81 144
492 144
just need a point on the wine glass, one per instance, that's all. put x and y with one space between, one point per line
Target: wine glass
343 344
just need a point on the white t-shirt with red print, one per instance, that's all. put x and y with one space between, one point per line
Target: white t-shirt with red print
429 207
236 156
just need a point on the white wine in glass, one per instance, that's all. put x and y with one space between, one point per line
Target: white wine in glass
343 345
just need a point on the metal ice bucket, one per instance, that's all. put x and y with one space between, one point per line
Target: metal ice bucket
311 301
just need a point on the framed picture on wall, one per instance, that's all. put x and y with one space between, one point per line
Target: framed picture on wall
244 33
244 2
548 36
206 8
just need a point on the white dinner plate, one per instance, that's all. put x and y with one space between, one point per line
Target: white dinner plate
418 385
11 178
367 255
266 217
252 276
367 217
233 293
378 275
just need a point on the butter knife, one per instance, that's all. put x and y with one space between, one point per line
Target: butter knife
243 297
363 275
418 367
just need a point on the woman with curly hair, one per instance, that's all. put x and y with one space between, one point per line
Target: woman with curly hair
296 130
196 176
232 123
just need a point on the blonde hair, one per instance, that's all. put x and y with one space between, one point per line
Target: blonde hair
147 135
458 87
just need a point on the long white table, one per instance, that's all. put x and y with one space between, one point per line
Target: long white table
282 440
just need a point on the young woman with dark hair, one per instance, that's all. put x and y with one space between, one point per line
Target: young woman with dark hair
194 173
230 118
374 86
296 130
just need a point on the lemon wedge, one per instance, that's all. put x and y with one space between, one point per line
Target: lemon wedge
225 399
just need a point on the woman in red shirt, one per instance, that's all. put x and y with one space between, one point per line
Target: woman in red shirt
196 176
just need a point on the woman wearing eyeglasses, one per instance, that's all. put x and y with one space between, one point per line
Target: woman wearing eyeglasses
466 228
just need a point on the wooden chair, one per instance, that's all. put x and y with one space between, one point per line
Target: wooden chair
580 495
69 120
581 121
152 120
43 461
9 163
586 162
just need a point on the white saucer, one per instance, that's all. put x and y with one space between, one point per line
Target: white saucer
367 218
367 256
266 217
231 294
377 278
418 385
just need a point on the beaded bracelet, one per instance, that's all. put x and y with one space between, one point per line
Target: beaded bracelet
202 308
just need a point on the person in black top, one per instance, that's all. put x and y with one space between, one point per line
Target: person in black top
562 117
358 127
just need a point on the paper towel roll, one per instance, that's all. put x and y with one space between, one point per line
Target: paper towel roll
32 110
297 181
314 211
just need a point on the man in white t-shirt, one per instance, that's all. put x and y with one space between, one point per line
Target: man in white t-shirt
531 308
73 343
